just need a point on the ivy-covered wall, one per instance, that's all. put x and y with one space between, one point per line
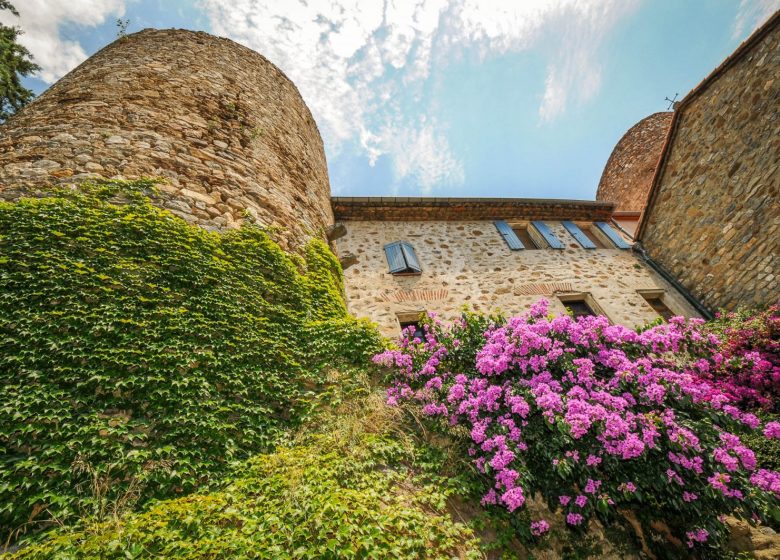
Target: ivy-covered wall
140 356
351 487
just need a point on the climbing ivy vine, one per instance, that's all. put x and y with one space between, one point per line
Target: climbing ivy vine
141 356
347 490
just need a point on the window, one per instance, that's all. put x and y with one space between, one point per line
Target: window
578 308
544 230
656 300
509 235
535 235
412 319
522 233
586 239
418 330
401 258
581 305
616 239
595 239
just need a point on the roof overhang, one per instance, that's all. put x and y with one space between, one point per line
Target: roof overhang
456 209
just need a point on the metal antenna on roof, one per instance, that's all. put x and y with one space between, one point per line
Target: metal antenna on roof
671 101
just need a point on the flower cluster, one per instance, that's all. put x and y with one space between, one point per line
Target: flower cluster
747 364
606 414
539 528
699 535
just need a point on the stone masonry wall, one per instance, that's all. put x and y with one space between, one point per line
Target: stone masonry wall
715 220
468 262
629 171
224 126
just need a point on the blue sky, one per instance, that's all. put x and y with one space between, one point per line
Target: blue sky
515 98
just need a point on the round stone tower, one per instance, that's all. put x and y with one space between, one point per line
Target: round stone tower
226 128
629 171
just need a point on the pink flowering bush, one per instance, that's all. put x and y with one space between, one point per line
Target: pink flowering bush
747 364
597 418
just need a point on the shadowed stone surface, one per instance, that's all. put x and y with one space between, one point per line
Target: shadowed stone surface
227 128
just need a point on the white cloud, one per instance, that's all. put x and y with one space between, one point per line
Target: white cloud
575 70
422 154
361 65
751 14
41 21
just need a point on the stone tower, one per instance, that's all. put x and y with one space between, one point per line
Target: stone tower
629 171
227 129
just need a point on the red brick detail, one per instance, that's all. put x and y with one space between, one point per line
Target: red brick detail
415 295
546 289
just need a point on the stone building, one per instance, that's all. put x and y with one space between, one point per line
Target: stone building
234 142
629 172
494 254
712 219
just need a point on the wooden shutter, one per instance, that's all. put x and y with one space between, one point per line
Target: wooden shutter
395 258
509 236
411 259
548 235
614 236
577 234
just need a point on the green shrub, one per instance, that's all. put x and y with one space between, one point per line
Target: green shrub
348 490
140 356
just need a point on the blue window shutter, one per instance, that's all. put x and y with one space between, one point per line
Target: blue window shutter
548 235
395 258
614 236
411 259
577 234
509 236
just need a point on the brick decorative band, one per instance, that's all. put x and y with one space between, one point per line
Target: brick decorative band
415 295
546 289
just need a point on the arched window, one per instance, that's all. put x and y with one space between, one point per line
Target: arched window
401 258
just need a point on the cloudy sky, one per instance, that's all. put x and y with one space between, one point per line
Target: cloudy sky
519 98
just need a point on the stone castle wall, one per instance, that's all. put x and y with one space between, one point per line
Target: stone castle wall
714 216
629 171
468 262
227 129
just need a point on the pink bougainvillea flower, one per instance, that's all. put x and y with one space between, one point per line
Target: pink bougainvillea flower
539 528
582 409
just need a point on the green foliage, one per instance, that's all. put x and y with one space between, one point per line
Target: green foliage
15 63
349 490
767 450
140 356
121 27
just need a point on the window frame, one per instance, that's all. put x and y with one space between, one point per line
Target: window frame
585 229
405 250
540 243
606 231
551 239
406 318
663 297
585 297
534 244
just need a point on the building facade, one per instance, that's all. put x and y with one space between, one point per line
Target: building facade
494 255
